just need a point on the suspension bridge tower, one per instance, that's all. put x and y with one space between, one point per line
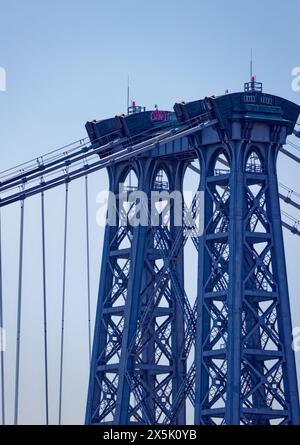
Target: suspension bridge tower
227 357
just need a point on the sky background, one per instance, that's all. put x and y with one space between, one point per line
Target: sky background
67 61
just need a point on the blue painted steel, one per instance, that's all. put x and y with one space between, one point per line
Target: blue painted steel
138 365
229 357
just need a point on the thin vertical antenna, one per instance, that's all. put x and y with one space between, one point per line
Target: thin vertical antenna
128 99
251 65
128 88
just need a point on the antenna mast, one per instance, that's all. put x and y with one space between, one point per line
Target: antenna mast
128 88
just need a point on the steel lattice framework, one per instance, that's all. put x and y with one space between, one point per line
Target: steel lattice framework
148 324
244 329
228 355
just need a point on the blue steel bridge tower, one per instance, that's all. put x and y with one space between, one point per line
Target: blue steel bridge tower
226 357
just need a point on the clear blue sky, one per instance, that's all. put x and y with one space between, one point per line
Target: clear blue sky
67 61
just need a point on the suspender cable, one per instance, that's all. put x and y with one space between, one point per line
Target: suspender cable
2 340
45 306
63 305
19 315
88 265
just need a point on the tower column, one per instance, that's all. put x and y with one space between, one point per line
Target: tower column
285 323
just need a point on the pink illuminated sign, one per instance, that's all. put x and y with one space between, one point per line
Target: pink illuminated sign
158 115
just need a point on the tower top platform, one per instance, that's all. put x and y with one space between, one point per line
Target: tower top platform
251 108
250 105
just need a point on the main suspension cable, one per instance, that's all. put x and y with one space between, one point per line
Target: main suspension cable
63 304
47 156
45 306
293 145
294 227
18 340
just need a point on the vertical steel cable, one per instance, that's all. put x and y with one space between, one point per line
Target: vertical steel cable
45 306
2 335
63 306
88 265
19 315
